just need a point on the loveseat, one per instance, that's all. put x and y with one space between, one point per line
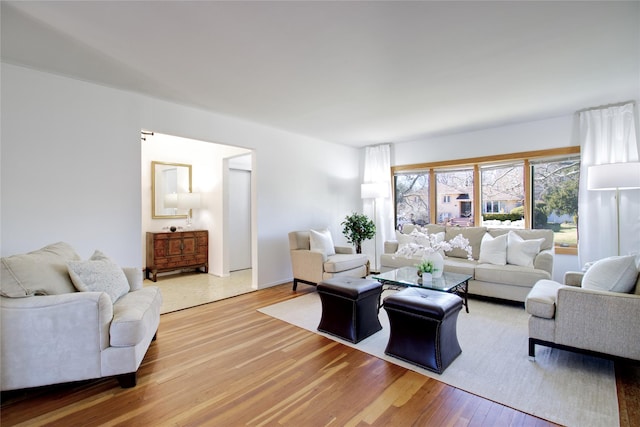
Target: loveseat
494 272
65 319
594 312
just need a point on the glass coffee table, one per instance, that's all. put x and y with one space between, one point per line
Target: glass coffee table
407 277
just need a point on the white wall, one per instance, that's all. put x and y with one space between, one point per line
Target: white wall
71 170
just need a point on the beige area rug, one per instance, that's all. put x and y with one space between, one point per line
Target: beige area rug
560 386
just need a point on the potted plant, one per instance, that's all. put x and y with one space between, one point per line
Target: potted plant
358 228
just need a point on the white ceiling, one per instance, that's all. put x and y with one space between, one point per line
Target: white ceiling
355 73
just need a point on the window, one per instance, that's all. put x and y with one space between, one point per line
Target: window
502 195
536 189
412 198
457 187
555 198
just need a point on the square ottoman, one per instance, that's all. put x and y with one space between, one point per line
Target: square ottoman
423 327
350 307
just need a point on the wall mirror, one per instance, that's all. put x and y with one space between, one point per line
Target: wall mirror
167 180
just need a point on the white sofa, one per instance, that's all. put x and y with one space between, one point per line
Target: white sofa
509 282
52 333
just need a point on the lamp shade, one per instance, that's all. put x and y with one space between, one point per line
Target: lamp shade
171 200
188 200
373 190
611 176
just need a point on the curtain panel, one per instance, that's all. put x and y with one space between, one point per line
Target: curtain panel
377 170
607 135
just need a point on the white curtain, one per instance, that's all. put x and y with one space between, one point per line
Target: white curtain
377 170
607 135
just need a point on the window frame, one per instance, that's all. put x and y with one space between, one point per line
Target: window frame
476 163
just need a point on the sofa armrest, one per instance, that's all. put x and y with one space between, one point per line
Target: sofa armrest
605 322
573 278
307 265
344 250
134 277
390 246
544 261
53 338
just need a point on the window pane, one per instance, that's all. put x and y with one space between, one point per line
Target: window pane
412 198
503 196
454 191
555 196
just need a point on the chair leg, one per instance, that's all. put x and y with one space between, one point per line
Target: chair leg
128 380
532 349
295 284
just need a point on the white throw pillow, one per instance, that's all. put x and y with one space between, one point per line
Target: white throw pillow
615 274
493 250
99 274
522 252
321 241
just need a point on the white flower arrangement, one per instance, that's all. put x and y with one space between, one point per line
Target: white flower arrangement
433 244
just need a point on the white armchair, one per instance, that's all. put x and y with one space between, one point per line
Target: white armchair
601 320
312 266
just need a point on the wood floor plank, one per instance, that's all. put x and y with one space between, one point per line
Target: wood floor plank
227 364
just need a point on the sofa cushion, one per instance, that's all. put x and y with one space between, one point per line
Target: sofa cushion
473 234
615 274
493 250
520 251
41 272
541 301
134 316
510 274
322 241
460 266
99 274
342 262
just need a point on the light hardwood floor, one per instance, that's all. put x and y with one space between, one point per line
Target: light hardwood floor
226 364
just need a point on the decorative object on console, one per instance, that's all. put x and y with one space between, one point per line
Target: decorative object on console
614 176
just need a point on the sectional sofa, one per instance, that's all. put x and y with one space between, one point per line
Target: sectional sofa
499 268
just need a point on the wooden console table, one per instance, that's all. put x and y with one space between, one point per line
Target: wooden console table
173 251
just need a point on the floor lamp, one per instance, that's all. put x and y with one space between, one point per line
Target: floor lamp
614 176
374 190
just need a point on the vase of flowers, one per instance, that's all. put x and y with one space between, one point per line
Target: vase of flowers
431 247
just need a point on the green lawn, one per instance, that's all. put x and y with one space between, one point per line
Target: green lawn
567 235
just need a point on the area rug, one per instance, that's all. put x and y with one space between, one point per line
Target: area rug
562 387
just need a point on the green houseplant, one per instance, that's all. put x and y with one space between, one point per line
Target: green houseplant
358 228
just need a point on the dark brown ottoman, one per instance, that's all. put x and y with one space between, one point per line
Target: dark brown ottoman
423 327
350 307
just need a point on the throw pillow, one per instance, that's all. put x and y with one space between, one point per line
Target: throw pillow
522 252
493 250
321 241
615 274
40 272
99 274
